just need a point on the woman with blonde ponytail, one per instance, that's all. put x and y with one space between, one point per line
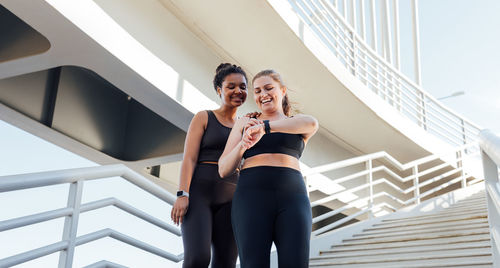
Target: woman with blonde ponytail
270 203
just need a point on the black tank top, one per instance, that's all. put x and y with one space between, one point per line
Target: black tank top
214 139
277 142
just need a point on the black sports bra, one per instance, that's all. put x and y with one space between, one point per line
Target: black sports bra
277 142
214 139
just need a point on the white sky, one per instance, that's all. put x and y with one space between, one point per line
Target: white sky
460 44
460 48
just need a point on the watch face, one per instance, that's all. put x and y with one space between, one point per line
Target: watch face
179 193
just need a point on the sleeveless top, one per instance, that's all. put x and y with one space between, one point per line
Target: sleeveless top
214 139
277 142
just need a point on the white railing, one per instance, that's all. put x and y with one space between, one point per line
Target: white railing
408 98
76 178
379 181
490 152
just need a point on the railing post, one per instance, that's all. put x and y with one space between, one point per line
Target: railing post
422 115
398 86
416 42
386 32
460 164
397 61
369 167
373 25
463 130
71 224
344 9
416 184
362 25
353 52
491 181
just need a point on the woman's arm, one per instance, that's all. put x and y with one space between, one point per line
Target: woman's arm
299 124
191 150
235 147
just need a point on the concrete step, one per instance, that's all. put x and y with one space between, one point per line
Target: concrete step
468 204
440 214
478 196
465 205
383 230
429 230
361 251
422 261
451 253
427 236
469 201
457 236
415 242
451 220
458 208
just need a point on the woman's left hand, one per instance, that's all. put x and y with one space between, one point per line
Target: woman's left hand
253 134
252 122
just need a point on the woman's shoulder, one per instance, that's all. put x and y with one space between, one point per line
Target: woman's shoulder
200 118
203 115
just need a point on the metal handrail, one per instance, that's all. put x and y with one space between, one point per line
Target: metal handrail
362 61
76 177
384 155
490 152
445 177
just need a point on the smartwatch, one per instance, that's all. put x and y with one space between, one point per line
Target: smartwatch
182 193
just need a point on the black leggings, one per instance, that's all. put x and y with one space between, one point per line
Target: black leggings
271 204
208 220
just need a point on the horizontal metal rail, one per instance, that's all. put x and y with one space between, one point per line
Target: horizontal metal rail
128 240
442 171
75 177
332 29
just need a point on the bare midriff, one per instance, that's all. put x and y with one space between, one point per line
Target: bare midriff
274 160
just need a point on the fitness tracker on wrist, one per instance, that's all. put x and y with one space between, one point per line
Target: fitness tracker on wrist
182 193
267 128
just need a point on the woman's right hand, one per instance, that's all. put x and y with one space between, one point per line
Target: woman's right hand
179 209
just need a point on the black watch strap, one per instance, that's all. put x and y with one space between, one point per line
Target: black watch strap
267 128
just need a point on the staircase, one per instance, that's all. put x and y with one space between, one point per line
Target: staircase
456 236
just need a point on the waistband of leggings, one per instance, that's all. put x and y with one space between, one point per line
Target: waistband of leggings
270 169
272 178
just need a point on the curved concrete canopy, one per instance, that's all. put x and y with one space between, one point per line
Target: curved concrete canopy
18 38
82 105
254 34
27 82
250 33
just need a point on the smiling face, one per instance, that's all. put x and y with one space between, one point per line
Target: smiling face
268 94
234 90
